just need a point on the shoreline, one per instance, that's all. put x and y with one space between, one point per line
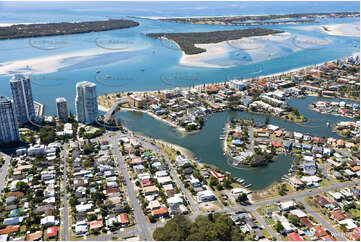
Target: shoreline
325 113
49 64
290 71
180 129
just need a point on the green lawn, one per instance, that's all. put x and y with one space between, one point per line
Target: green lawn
325 183
355 212
270 221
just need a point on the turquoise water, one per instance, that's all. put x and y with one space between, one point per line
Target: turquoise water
141 65
206 145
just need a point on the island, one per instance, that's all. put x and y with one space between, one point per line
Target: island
187 41
50 29
262 19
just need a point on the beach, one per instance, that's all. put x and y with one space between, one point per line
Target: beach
243 51
351 29
10 24
53 63
214 52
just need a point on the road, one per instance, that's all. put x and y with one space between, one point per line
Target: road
65 210
324 170
4 171
141 222
110 112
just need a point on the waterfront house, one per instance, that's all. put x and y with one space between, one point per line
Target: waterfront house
218 175
136 101
296 183
287 145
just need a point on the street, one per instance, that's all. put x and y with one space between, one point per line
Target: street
64 190
141 222
4 171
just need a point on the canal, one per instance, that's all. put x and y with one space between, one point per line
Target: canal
207 146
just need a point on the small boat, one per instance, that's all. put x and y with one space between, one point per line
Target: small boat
240 180
97 71
248 185
327 124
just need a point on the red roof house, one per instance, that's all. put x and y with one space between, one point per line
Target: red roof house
97 224
9 229
123 218
294 236
52 232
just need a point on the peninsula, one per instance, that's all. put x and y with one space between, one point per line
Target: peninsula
187 41
262 19
50 29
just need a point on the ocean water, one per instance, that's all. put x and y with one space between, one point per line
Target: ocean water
137 62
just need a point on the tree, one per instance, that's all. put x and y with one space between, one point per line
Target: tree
294 220
88 148
151 218
213 181
242 197
47 134
227 183
219 187
279 227
81 131
212 227
22 187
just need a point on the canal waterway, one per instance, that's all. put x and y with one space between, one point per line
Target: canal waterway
207 147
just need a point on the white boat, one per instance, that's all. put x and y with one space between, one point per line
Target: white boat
248 185
240 180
